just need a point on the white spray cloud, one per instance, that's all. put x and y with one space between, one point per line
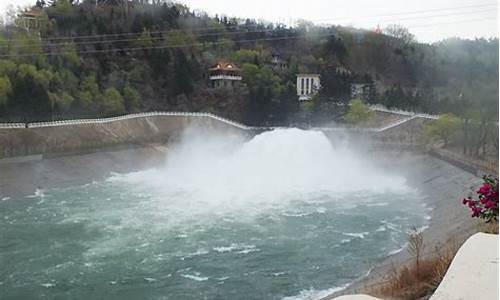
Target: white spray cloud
210 175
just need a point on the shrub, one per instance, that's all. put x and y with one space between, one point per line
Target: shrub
112 102
486 206
444 128
358 113
415 281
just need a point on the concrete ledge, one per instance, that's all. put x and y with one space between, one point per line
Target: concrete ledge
473 273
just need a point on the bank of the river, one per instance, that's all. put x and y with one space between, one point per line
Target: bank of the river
443 186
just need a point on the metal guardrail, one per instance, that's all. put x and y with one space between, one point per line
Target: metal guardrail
120 118
402 112
12 125
209 115
369 129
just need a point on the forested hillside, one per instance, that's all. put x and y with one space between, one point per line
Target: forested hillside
87 61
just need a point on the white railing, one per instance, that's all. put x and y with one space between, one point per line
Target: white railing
395 124
120 118
204 114
12 125
367 129
382 108
228 77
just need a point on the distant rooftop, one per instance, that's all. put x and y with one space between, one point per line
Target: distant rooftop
224 66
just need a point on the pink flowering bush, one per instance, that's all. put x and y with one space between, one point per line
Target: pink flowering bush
486 206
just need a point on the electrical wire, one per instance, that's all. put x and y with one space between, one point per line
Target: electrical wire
201 44
221 26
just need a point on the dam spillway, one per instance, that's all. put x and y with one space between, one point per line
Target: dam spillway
284 214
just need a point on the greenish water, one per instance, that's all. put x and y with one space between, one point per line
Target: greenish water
248 222
107 241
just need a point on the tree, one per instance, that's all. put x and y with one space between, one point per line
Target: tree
5 90
183 76
250 56
358 113
334 48
40 3
112 102
444 128
7 67
411 76
132 98
264 86
61 101
30 90
401 33
144 40
88 93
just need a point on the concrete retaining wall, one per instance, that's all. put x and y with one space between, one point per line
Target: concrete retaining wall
81 136
87 135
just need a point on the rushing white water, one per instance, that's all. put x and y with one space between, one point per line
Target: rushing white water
219 174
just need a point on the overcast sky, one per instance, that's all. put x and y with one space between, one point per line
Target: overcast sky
429 20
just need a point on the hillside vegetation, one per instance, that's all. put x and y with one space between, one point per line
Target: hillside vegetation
111 59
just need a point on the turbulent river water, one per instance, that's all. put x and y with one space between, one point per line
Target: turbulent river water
286 214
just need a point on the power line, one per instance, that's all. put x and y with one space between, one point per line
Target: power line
456 22
442 15
153 38
222 26
410 12
201 44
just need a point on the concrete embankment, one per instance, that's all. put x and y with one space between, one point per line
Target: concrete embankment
19 179
25 142
76 137
442 186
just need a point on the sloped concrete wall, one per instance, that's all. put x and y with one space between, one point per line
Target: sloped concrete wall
80 136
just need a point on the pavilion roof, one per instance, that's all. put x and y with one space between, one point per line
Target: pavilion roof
224 66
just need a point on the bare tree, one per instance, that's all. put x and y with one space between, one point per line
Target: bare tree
401 33
416 245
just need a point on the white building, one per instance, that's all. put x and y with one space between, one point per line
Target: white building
307 86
